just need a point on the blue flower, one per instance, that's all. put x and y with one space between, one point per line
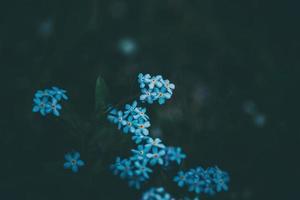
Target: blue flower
117 117
147 95
73 161
130 125
154 143
59 93
130 109
169 86
125 168
156 81
142 168
220 178
54 107
140 113
112 116
140 152
161 95
143 79
180 178
43 93
142 127
138 138
40 105
156 156
176 155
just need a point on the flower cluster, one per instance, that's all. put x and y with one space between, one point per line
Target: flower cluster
47 101
136 169
133 120
150 151
73 161
207 181
156 194
155 88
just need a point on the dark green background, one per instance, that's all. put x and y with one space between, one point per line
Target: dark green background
219 54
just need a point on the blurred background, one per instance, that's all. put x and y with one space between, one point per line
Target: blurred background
233 64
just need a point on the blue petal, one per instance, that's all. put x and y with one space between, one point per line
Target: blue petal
67 165
75 168
80 163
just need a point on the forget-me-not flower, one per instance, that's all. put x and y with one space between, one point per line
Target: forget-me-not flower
142 127
156 156
73 161
140 152
142 168
154 143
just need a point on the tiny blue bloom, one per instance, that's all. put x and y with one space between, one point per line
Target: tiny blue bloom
59 93
130 125
142 127
154 143
180 178
142 168
130 109
40 105
53 107
147 95
125 168
177 155
73 161
140 152
156 156
162 95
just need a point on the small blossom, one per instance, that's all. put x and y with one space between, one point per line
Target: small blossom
138 138
142 127
156 156
130 125
40 105
130 109
162 95
154 143
155 81
180 178
177 155
147 95
73 161
140 152
142 168
53 107
125 168
59 93
140 113
169 86
143 79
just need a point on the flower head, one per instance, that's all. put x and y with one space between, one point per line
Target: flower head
47 101
156 156
73 161
155 88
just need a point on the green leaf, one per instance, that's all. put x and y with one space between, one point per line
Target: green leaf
101 93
